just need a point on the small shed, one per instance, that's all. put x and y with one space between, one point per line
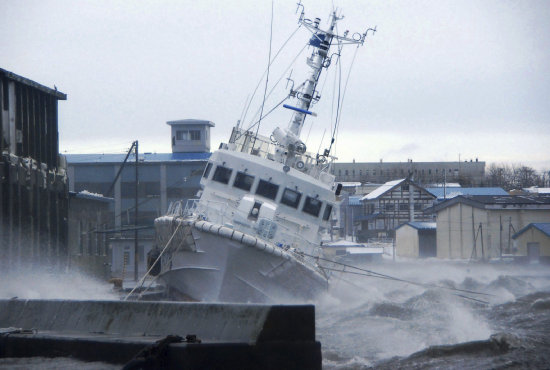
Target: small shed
533 242
416 239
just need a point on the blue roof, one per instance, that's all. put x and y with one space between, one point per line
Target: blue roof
143 157
355 200
451 192
543 227
420 225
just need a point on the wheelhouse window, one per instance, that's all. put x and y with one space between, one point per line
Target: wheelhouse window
291 198
243 181
328 211
222 174
267 189
312 206
207 170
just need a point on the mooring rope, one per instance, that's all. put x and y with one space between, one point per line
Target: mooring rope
140 284
370 273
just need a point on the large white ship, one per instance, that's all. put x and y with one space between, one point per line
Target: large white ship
255 232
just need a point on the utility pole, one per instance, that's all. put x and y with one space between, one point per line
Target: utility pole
482 249
136 254
500 217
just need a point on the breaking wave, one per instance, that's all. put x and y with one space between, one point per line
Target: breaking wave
365 322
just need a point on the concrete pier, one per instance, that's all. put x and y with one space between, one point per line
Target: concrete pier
232 336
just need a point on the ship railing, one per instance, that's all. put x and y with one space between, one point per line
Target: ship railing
182 208
317 166
212 210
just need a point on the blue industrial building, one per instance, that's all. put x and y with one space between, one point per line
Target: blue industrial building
162 179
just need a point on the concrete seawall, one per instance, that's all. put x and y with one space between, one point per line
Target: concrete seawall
262 335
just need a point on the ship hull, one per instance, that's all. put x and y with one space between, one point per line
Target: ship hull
220 269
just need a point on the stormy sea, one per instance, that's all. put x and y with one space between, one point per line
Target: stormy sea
430 317
440 320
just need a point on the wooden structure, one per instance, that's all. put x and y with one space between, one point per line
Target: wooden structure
393 204
33 205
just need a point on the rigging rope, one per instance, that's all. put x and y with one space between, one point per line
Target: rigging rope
345 88
261 79
266 77
140 283
370 273
281 77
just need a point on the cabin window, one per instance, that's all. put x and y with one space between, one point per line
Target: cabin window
312 206
328 211
390 207
243 181
207 170
222 174
404 206
267 189
291 198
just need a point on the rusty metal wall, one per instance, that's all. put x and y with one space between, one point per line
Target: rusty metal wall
33 182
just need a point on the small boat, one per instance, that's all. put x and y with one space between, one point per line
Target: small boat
254 234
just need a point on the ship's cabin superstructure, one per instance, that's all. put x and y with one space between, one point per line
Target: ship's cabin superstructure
266 198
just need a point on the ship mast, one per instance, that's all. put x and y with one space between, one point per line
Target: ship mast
306 93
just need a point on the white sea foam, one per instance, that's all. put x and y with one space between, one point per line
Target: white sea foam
376 319
42 284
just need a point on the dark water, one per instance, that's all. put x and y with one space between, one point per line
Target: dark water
367 322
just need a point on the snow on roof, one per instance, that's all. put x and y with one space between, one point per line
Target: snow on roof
85 194
534 189
447 184
382 189
365 250
342 243
354 200
350 184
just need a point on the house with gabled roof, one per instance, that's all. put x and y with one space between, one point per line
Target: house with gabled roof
533 242
481 226
392 204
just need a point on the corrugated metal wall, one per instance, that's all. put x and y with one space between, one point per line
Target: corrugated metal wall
33 217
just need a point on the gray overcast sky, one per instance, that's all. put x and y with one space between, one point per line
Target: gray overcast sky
440 78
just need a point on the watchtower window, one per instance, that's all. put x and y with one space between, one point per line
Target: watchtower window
267 189
291 198
188 135
312 206
243 181
222 174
